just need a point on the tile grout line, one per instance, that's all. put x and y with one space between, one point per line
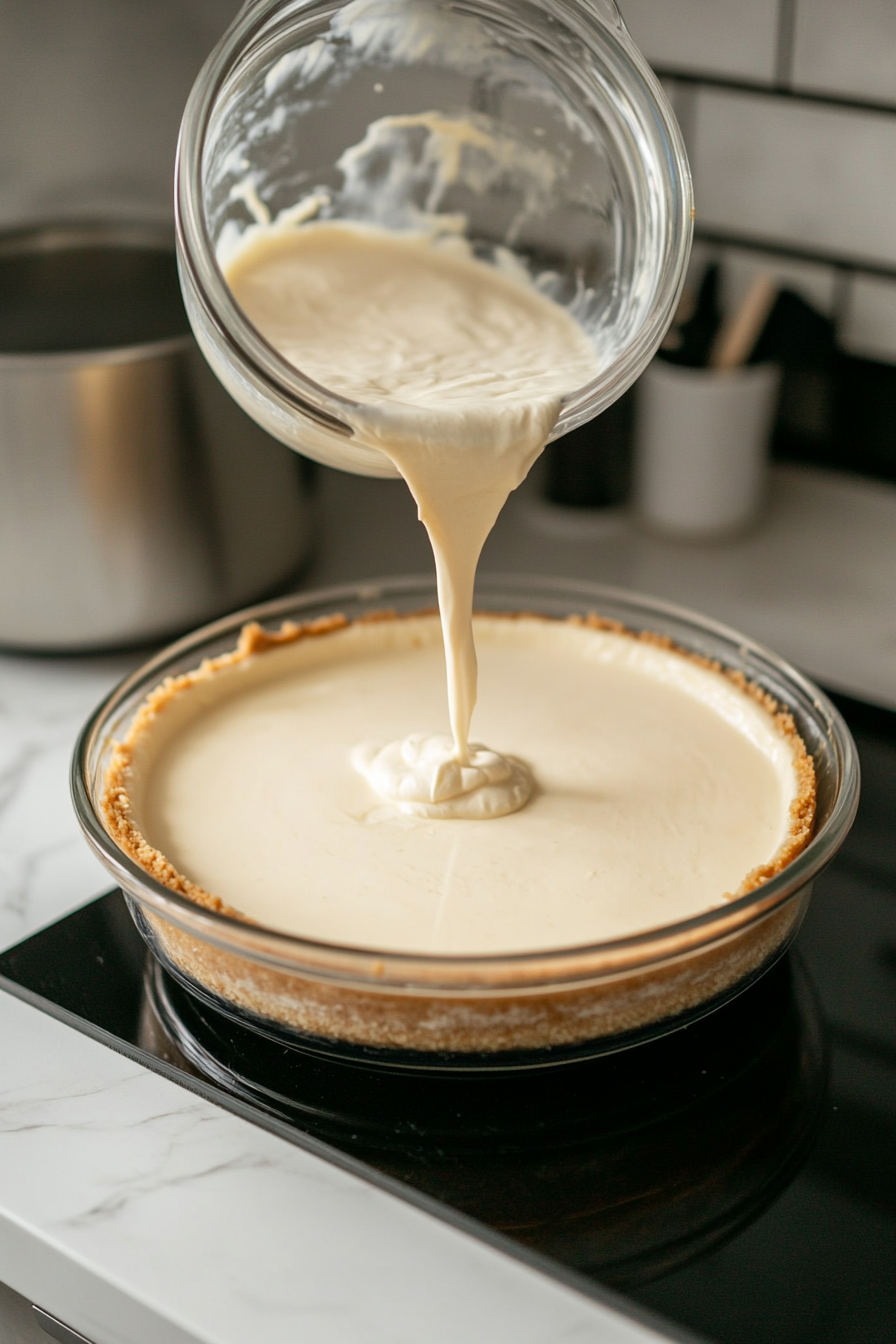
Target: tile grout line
785 43
766 89
848 265
843 298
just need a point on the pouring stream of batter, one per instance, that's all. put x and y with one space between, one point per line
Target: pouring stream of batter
457 373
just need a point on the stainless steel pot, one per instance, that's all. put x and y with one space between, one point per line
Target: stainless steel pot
136 498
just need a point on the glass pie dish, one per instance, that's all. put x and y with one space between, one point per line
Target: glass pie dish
412 1010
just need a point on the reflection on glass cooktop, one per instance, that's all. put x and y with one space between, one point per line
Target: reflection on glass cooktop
716 1176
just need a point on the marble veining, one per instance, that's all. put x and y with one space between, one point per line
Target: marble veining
229 1233
45 866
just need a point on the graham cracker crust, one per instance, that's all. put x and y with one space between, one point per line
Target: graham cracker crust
487 1017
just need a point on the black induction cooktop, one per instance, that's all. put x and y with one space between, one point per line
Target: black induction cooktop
737 1177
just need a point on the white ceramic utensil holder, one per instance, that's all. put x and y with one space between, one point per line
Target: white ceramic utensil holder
702 441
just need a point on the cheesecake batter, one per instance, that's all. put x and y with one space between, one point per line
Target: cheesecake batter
661 788
299 781
457 372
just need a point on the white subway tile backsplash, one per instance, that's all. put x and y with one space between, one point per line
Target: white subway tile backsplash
799 173
870 326
792 171
846 48
737 38
740 268
91 96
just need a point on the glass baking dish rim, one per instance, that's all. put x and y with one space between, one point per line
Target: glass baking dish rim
389 971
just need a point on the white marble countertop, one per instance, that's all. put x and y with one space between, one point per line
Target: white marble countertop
141 1214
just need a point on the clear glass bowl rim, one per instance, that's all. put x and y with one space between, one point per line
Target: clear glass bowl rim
390 971
246 344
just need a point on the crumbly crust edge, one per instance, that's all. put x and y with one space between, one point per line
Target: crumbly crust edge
254 640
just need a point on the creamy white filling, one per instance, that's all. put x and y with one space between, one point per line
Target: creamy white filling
423 777
659 785
459 372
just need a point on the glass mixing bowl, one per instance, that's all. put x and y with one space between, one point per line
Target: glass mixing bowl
476 1012
573 168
